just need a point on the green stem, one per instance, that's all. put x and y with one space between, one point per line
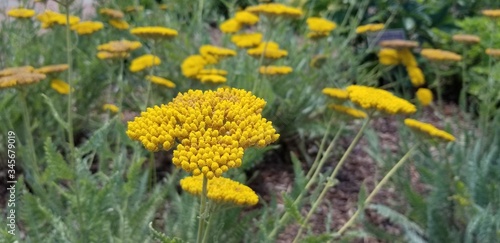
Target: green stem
201 3
27 127
320 150
463 92
70 82
121 85
209 223
266 38
376 190
439 92
151 71
202 216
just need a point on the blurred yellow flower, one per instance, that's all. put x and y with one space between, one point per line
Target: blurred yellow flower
388 57
15 70
192 65
210 51
230 26
211 129
143 62
110 107
56 68
467 39
119 24
407 58
112 13
21 13
246 18
440 55
221 190
247 40
275 10
60 86
271 50
87 27
213 71
119 46
424 96
132 9
161 81
398 44
370 98
493 13
354 113
493 52
49 18
428 130
369 28
275 70
212 78
103 55
320 26
416 76
335 93
154 32
22 78
163 6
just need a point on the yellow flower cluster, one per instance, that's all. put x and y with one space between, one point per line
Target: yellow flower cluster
369 28
467 39
493 13
60 86
247 40
214 53
398 44
428 130
15 70
230 26
212 129
21 13
269 49
493 52
161 81
49 18
143 62
275 70
440 55
192 65
87 27
213 71
338 94
240 19
389 57
275 10
424 96
221 190
212 78
370 98
103 55
246 18
111 13
319 27
119 24
416 76
110 107
117 49
56 68
354 113
133 9
21 78
154 32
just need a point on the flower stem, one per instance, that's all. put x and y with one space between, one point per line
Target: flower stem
376 190
71 140
266 38
202 216
151 71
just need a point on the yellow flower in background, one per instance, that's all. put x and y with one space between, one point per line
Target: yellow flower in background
275 10
211 129
154 32
209 51
119 24
338 94
407 58
56 68
321 25
440 55
21 13
119 46
132 9
22 78
354 113
211 78
399 44
87 27
103 55
213 71
424 96
388 57
428 130
247 40
230 26
15 70
60 86
49 18
416 76
143 62
493 13
317 35
493 52
370 98
192 65
163 6
275 70
369 28
112 13
467 39
271 51
221 190
161 81
110 107
246 18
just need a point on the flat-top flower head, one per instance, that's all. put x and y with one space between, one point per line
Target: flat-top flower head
407 58
269 49
440 55
338 94
424 96
210 129
119 46
143 62
60 86
246 18
213 71
161 81
208 51
133 9
111 13
416 76
104 55
56 68
370 98
369 28
119 24
192 65
247 40
14 70
467 39
211 78
493 52
320 25
389 57
428 130
49 18
221 190
87 27
21 13
21 79
492 13
154 32
230 26
275 70
110 107
351 112
398 44
275 10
